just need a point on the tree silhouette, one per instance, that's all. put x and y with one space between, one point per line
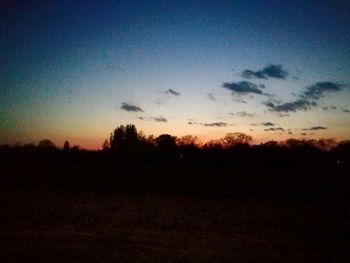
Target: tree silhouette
126 141
105 145
117 138
66 146
188 140
326 144
236 138
46 144
166 142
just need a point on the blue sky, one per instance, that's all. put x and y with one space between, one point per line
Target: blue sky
68 67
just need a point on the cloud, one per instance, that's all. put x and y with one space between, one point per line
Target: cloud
242 114
160 119
267 124
300 104
210 124
315 128
211 96
275 129
240 101
128 107
242 87
307 98
248 74
215 124
173 92
327 108
269 71
317 90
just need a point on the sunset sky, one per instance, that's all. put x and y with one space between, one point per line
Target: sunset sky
75 70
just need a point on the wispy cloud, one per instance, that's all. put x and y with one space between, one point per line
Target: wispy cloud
307 99
240 101
210 124
215 124
328 108
128 107
242 114
300 104
269 71
160 119
315 128
275 129
317 90
211 96
267 124
173 92
242 87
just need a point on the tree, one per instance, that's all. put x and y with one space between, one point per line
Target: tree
188 140
293 143
105 145
166 142
270 144
236 138
117 138
213 144
66 146
326 144
125 139
46 144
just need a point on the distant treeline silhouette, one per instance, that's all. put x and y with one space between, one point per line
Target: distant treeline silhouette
231 166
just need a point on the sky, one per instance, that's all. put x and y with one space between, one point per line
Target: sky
75 70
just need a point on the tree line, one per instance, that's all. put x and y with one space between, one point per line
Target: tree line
125 138
131 161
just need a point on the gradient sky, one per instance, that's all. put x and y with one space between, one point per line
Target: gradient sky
75 70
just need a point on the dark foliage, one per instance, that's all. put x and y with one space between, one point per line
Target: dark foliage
312 170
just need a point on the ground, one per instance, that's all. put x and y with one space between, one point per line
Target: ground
52 226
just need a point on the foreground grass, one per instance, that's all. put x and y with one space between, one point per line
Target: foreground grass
42 226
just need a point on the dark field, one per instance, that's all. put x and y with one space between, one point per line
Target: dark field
265 203
40 226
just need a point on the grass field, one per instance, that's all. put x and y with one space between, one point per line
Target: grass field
42 226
